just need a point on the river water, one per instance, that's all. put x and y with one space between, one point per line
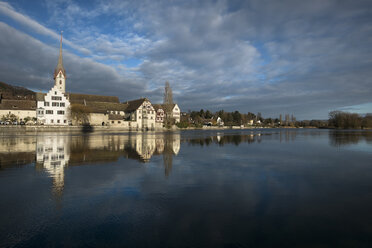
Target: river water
232 188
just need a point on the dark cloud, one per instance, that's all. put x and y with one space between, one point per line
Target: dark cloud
30 63
305 58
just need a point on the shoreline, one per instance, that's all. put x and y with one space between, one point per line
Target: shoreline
83 129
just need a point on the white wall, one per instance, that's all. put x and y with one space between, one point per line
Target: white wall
54 118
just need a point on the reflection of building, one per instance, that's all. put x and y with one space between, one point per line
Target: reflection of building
176 143
52 153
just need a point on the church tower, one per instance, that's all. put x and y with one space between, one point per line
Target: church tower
59 72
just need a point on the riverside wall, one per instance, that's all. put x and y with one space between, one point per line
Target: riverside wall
25 128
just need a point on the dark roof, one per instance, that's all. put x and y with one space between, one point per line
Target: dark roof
115 117
103 107
79 98
17 104
162 105
157 107
135 104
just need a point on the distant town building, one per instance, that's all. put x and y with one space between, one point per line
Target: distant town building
220 122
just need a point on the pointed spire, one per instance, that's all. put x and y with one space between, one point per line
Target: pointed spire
60 62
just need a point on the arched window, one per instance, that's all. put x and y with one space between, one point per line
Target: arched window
60 81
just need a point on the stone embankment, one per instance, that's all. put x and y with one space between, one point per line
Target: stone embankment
25 128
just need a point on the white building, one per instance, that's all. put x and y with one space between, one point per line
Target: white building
53 107
176 113
141 114
161 113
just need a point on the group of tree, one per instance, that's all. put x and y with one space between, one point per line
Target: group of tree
337 119
234 118
12 118
345 120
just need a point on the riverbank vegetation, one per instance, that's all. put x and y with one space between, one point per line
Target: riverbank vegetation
337 119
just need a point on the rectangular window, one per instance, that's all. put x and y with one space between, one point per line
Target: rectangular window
46 104
60 112
119 122
112 122
49 112
58 98
62 104
51 121
57 121
64 121
55 104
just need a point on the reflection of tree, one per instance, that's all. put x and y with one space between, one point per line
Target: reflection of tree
342 138
168 153
228 139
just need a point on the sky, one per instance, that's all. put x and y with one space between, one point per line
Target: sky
305 58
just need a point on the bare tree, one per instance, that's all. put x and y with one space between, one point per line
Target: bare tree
168 104
168 95
286 119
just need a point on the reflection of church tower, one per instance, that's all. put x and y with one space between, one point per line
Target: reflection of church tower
53 155
59 72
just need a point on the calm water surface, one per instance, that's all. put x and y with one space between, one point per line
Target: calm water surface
259 188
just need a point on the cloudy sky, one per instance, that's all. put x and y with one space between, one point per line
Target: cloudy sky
299 57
